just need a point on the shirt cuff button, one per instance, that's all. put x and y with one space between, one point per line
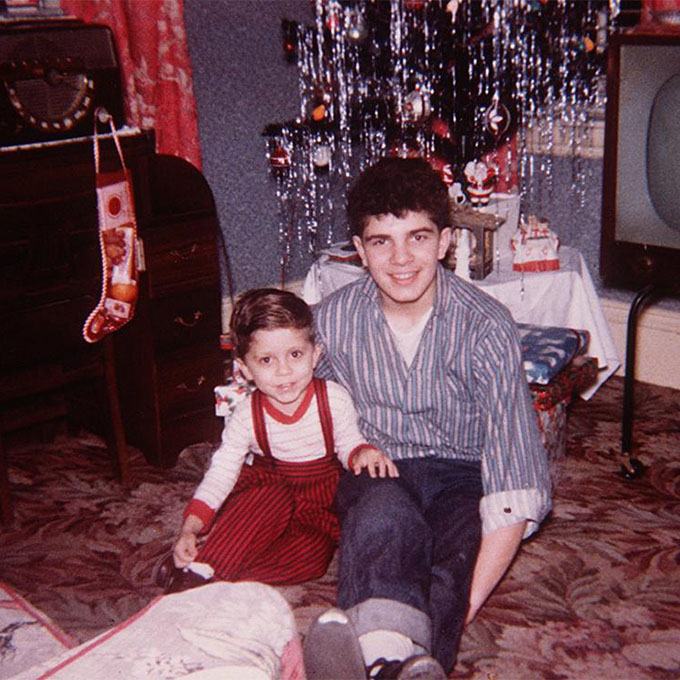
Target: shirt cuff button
507 511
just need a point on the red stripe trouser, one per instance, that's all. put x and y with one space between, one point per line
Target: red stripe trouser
277 525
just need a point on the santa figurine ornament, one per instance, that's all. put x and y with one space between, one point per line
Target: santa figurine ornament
481 178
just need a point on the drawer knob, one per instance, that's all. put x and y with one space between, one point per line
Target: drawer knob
184 254
188 388
198 315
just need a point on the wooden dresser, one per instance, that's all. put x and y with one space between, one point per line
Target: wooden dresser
167 359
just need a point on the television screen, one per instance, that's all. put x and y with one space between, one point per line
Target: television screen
641 193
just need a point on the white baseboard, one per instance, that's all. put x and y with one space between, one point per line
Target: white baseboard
657 350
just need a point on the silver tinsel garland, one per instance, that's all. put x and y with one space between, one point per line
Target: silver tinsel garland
450 80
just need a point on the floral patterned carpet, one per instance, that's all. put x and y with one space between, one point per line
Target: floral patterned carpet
594 595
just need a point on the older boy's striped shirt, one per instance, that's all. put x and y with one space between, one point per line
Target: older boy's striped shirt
464 396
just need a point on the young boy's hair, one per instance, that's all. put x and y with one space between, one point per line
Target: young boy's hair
267 309
394 186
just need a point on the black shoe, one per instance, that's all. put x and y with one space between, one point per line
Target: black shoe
174 580
163 571
419 667
331 649
184 579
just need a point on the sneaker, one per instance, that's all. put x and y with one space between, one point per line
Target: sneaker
418 667
331 649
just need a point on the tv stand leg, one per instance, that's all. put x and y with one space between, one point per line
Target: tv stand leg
631 468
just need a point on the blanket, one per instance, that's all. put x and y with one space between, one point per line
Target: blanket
27 636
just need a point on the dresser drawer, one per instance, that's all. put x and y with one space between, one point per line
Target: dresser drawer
187 378
181 256
44 332
188 318
48 263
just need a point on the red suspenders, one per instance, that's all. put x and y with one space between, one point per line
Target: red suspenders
321 393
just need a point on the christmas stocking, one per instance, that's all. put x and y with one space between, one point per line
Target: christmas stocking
118 243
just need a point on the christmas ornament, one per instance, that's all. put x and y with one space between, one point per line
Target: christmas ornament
444 168
117 241
279 158
440 128
322 156
456 193
481 178
497 117
289 31
358 30
452 8
319 106
416 106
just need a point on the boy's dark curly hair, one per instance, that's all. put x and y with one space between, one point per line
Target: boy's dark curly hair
267 309
394 186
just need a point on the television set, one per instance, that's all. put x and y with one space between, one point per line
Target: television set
640 237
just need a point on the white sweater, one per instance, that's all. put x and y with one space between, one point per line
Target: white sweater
294 439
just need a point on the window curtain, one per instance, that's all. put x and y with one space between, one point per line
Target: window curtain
155 68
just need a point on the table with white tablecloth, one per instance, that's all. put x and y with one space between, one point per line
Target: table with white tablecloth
565 297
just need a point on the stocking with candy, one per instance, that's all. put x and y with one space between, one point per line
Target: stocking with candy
118 244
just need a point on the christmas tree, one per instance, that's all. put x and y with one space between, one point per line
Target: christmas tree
458 82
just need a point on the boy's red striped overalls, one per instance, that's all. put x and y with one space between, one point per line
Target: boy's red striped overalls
277 525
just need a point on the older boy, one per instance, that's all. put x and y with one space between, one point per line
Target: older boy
434 367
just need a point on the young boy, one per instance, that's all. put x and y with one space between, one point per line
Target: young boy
444 394
277 525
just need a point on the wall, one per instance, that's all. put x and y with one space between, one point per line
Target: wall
242 82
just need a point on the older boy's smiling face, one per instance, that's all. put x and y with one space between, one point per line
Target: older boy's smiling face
401 254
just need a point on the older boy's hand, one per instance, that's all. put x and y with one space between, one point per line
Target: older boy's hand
375 461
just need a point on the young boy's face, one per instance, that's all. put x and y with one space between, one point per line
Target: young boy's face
281 363
401 254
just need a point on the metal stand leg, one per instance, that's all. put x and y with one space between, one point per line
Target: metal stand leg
631 468
117 436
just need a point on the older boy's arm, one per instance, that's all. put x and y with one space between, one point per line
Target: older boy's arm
496 553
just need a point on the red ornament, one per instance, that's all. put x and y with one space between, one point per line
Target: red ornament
440 128
333 20
443 167
279 158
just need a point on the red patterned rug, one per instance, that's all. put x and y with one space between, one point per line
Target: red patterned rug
593 595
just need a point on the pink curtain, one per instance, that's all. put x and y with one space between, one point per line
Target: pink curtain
155 68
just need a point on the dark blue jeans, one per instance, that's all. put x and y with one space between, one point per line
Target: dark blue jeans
407 551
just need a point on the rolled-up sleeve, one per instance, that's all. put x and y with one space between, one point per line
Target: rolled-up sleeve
515 471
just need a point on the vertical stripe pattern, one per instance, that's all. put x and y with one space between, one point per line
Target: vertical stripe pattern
464 395
277 525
